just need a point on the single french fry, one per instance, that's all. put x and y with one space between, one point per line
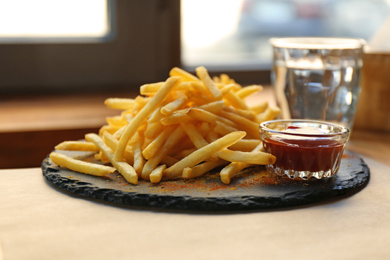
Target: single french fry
269 114
258 157
200 169
112 142
156 144
207 116
245 145
227 88
233 168
153 129
196 138
177 117
79 165
213 107
116 121
139 160
125 169
260 108
150 89
186 76
210 84
223 129
173 106
248 90
157 174
245 124
140 117
77 146
156 115
119 103
108 128
247 113
234 100
202 154
170 142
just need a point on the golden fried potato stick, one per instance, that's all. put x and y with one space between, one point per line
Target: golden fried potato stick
125 169
223 129
213 107
249 126
141 116
227 88
207 116
247 113
210 84
245 145
139 160
77 146
257 157
196 138
157 143
173 140
119 103
234 100
150 89
269 114
80 166
116 121
112 142
248 90
202 154
186 76
173 106
233 168
156 115
260 108
153 130
156 175
200 169
176 117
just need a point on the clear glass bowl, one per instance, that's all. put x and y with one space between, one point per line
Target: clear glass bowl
304 148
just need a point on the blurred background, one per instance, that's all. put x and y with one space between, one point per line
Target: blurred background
60 59
71 45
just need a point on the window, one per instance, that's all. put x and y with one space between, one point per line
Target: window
143 46
58 21
139 41
234 35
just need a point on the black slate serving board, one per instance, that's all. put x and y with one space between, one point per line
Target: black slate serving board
253 189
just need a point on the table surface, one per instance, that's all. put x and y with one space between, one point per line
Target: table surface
38 221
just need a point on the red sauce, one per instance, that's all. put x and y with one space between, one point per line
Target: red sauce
313 154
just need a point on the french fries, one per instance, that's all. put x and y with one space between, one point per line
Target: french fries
183 127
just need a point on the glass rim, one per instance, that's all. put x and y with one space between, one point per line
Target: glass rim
344 131
317 43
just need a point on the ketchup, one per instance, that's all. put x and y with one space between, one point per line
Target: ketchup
304 154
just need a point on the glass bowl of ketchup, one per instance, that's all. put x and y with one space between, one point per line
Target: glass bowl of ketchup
304 148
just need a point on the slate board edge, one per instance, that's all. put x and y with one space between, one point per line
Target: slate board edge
231 203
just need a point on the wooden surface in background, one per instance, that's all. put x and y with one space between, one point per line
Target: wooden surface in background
31 127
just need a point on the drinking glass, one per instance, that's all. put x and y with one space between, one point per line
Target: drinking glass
317 78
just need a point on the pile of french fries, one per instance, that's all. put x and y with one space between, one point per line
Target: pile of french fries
181 128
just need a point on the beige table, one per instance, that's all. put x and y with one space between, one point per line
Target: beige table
39 222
